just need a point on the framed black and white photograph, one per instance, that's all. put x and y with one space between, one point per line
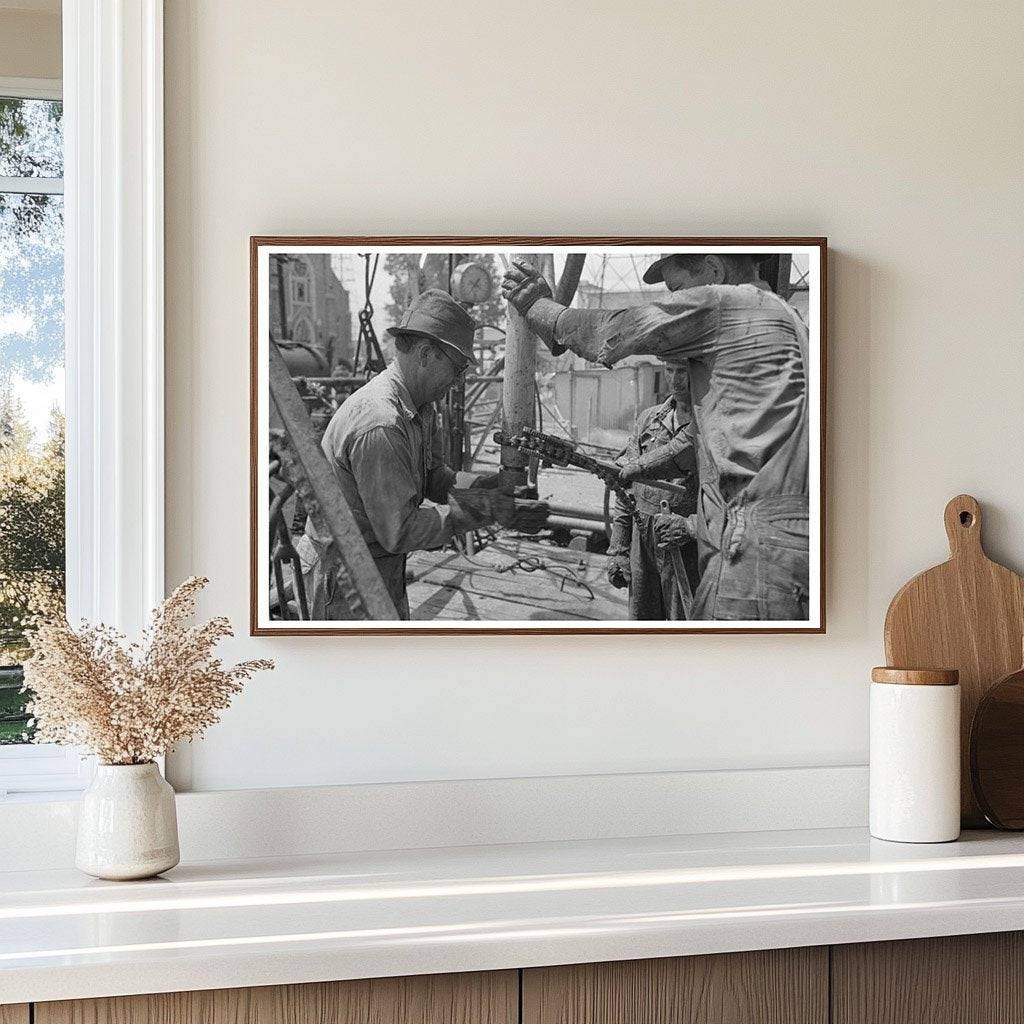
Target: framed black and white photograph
537 435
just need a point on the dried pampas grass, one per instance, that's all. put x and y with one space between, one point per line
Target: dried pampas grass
130 703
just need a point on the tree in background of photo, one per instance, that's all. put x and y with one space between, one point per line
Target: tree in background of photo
404 269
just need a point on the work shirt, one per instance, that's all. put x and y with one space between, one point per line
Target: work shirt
747 351
386 455
655 428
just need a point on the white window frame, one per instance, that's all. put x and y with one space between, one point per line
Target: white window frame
114 327
32 88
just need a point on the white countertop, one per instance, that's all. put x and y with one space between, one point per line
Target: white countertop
261 922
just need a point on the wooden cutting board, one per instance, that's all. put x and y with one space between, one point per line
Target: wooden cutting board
967 614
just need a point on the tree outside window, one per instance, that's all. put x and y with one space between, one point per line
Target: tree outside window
32 559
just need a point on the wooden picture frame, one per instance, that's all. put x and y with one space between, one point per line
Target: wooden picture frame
777 254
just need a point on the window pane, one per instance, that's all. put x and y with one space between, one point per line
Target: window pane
14 726
31 432
31 138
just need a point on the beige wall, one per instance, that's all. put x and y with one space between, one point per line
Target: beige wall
895 129
30 43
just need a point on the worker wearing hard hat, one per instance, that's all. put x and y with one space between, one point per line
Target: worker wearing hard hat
747 353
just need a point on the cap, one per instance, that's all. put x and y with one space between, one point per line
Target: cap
436 315
654 274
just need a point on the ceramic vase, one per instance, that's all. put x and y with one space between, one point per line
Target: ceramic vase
127 825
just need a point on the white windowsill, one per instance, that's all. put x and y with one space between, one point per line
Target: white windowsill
42 771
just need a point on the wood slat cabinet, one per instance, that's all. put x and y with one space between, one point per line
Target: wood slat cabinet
962 979
774 986
480 998
968 979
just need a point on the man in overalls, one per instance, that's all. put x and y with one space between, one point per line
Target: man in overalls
658 449
747 351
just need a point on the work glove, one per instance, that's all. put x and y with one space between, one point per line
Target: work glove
475 507
529 516
486 482
619 574
630 472
472 507
523 285
670 530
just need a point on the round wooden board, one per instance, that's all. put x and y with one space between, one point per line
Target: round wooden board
997 752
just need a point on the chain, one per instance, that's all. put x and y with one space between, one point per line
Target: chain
374 356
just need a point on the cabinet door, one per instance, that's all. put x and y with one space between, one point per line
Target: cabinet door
962 979
14 1013
482 998
777 986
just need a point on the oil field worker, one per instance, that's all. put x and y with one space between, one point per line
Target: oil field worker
658 449
384 446
747 353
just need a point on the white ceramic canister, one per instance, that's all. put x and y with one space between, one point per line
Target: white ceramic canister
127 824
915 755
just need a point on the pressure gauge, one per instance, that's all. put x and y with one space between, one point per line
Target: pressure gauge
471 283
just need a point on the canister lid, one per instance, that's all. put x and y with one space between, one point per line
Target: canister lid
916 676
